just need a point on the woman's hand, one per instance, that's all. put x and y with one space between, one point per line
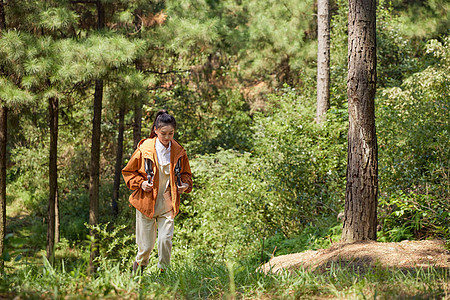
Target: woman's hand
182 188
147 187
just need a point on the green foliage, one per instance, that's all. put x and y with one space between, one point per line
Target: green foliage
229 207
396 57
116 244
407 216
304 162
319 234
276 32
413 132
58 18
425 19
95 56
292 176
190 280
206 126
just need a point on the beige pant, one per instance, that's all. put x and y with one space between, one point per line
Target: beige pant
146 237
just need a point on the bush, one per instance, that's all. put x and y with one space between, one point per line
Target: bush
408 216
414 150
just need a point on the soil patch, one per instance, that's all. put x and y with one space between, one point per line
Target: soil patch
403 255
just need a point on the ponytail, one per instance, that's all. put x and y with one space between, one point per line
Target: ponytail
163 118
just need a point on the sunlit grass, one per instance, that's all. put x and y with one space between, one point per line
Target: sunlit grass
188 280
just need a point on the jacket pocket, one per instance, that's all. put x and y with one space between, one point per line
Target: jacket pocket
143 201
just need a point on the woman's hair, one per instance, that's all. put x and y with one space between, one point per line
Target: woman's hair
163 118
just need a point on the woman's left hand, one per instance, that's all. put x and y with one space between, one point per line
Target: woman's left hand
182 188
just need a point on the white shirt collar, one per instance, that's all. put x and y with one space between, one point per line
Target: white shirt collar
162 152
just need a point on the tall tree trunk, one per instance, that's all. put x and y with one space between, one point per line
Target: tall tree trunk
137 125
360 215
53 177
95 171
2 16
94 180
323 59
119 157
3 139
57 239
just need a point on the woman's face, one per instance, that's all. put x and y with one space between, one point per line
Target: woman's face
165 134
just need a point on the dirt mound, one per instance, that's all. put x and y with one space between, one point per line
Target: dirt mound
404 255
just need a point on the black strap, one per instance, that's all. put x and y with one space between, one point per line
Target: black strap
178 171
148 165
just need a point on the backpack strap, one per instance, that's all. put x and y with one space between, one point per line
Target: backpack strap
148 165
178 171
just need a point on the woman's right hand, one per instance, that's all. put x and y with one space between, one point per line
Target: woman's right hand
147 187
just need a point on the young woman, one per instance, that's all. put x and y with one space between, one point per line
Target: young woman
158 172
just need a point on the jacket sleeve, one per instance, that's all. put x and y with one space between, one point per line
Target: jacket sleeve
133 178
186 174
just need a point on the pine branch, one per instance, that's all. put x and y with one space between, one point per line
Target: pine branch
83 1
166 72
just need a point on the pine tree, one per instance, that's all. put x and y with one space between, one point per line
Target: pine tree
3 137
323 59
360 215
11 96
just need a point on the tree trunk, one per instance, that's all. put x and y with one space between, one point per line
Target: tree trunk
2 16
137 123
57 239
3 139
119 157
360 216
323 59
95 171
94 177
53 177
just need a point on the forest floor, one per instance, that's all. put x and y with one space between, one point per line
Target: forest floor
405 255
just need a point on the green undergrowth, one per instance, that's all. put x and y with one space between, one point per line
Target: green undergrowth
29 275
225 279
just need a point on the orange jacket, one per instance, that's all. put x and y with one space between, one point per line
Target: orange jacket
134 174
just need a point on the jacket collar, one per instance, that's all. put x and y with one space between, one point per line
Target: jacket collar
147 147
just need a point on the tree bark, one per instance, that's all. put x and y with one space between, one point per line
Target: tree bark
360 215
119 158
100 15
57 239
95 171
53 177
323 59
3 140
137 125
2 16
94 180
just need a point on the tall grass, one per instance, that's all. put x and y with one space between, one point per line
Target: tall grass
226 279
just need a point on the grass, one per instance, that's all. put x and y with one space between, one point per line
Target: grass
29 276
186 280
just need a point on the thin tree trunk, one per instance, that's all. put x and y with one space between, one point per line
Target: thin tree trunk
94 180
119 157
137 125
2 16
360 215
3 139
95 172
57 239
53 177
323 59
